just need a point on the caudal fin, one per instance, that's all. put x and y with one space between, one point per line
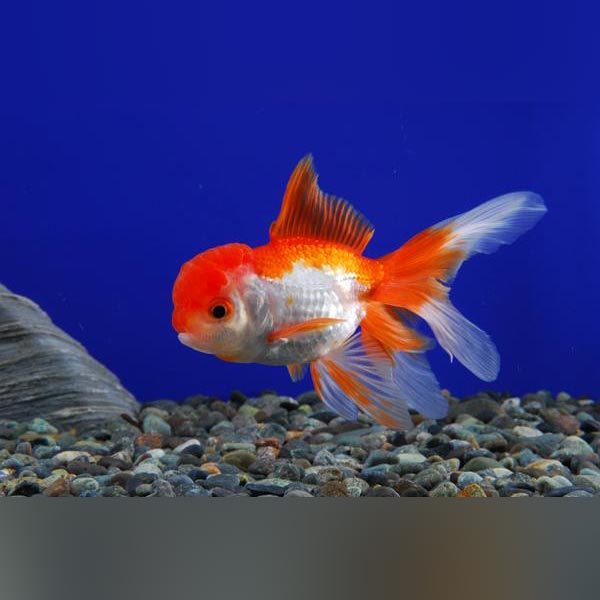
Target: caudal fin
417 275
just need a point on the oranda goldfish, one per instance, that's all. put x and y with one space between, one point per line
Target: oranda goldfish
298 300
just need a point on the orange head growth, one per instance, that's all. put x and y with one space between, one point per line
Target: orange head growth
204 293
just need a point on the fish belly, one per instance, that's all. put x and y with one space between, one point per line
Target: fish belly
305 294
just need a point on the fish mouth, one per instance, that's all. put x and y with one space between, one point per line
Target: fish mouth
188 340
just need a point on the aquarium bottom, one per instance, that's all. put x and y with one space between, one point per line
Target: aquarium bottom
489 445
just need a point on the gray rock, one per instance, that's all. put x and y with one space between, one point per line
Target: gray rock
429 478
162 489
379 457
46 372
298 494
273 486
479 463
155 424
467 478
324 457
579 493
322 474
242 459
356 487
446 489
229 482
572 446
546 484
481 407
288 470
83 484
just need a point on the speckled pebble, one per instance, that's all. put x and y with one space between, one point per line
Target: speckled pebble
272 446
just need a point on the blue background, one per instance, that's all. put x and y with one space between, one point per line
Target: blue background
133 138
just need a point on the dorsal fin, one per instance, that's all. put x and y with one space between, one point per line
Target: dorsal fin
307 212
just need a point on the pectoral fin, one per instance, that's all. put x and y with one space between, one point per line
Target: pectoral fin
303 328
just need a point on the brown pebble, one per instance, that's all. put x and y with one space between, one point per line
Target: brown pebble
294 435
211 467
267 452
150 440
334 489
270 441
60 487
473 490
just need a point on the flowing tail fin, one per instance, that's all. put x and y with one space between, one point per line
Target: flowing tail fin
417 276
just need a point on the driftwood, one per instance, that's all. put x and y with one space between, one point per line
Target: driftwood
45 373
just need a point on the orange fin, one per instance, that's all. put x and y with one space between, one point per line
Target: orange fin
302 328
412 274
297 371
359 375
307 212
389 329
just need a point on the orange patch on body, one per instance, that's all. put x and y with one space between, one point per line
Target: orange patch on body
278 257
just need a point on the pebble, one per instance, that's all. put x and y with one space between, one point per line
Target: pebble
429 478
356 487
467 478
479 463
473 490
229 482
572 446
68 455
334 489
410 458
83 484
526 432
298 494
274 446
242 459
446 489
324 457
154 424
192 446
274 486
148 467
41 426
59 487
546 484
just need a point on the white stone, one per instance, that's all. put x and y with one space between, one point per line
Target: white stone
67 456
193 442
527 432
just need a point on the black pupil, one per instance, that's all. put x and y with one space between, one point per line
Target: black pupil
219 311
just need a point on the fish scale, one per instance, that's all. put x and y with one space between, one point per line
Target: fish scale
304 294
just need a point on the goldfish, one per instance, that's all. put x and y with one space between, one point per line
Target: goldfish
310 300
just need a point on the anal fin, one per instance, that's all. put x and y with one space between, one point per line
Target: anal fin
297 370
359 375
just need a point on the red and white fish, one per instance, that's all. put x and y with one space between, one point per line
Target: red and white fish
298 300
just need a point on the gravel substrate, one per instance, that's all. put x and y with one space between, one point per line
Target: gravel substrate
490 445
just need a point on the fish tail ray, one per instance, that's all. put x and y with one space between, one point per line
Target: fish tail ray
411 372
359 374
417 275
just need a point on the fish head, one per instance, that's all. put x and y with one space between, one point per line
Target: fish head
210 311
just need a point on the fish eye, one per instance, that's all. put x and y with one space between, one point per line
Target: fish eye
220 309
